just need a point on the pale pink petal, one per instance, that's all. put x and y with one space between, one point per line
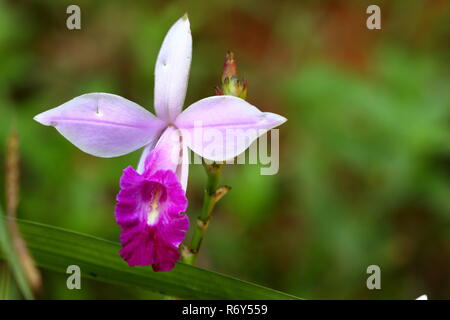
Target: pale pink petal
145 153
103 124
183 168
221 127
168 154
172 70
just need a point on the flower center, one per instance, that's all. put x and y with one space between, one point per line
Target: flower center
153 209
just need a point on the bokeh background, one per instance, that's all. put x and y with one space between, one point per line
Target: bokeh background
364 157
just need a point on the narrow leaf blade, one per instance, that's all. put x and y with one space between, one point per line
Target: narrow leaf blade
56 249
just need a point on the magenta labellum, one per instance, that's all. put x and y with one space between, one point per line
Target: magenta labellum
149 212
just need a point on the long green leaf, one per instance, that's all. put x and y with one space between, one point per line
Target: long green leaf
56 249
8 288
7 249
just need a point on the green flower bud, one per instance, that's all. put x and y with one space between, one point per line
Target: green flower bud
231 85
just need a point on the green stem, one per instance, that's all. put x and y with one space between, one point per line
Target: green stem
212 195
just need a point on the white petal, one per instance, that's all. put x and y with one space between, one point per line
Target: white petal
221 127
172 70
102 124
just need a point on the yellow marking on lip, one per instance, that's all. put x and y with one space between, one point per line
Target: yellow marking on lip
154 212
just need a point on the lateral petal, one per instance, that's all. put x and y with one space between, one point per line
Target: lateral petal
103 124
221 127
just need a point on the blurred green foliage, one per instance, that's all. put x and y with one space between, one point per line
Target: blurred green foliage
364 157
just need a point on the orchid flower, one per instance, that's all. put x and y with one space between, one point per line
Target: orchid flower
152 197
